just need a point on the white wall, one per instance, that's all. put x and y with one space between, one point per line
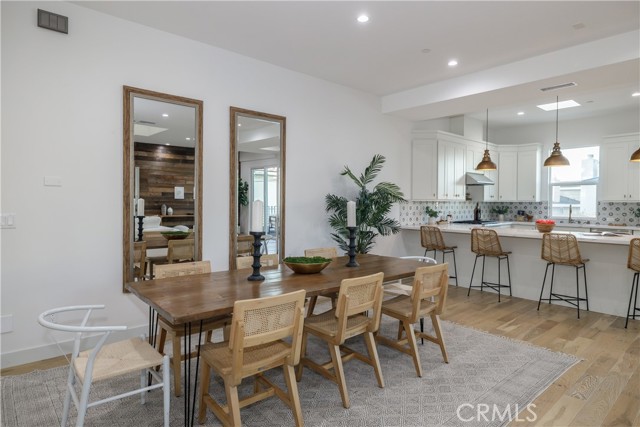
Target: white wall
62 116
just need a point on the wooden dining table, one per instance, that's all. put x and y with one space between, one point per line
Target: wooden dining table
189 300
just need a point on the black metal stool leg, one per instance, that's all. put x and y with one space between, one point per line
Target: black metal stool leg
634 284
577 293
484 258
455 267
499 280
553 275
509 276
586 293
422 329
543 281
472 273
635 302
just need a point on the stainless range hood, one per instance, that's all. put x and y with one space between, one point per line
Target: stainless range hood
478 179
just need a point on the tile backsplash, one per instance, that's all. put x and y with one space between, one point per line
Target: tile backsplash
412 213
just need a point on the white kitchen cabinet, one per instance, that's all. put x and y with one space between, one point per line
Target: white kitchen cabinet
507 175
424 169
451 170
619 178
528 184
475 153
438 166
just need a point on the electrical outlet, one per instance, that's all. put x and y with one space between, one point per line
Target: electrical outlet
6 323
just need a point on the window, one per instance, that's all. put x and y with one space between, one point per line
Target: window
574 187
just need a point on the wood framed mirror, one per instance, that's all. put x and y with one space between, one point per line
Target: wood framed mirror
257 172
162 165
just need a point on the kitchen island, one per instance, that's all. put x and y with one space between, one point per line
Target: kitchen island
608 278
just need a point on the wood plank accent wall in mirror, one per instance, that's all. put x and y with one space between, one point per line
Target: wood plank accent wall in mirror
258 160
162 165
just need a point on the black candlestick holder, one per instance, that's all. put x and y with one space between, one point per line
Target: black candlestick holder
352 247
257 253
140 221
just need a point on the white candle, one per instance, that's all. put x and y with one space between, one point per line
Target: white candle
140 207
351 214
257 216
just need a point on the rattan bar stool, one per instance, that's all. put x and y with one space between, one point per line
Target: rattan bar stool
562 249
431 240
634 264
485 243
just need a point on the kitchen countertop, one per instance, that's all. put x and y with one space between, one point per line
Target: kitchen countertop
504 229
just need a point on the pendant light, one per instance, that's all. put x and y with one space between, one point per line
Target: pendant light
635 157
556 158
486 164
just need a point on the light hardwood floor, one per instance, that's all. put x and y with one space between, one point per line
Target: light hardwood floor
601 390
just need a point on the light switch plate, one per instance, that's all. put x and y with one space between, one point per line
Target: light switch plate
8 220
53 181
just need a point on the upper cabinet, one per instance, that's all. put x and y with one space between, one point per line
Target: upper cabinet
619 177
475 153
519 173
438 166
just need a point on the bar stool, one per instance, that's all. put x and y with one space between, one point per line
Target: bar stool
431 240
562 249
634 264
485 243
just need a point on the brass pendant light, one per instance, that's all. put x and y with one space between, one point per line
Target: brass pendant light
486 164
635 157
556 158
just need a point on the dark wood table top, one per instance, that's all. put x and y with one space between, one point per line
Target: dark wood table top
191 298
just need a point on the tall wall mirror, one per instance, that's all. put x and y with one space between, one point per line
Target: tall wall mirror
162 197
257 172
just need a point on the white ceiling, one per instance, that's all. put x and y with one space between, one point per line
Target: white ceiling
385 56
174 129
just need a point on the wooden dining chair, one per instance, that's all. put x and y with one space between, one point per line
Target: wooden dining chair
347 319
139 260
429 281
176 332
329 253
270 260
182 250
265 334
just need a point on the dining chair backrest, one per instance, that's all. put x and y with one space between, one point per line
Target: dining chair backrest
356 296
430 281
163 271
634 255
260 321
485 242
181 250
140 259
268 260
323 252
561 248
431 238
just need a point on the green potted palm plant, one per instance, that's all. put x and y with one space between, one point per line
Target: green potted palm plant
372 207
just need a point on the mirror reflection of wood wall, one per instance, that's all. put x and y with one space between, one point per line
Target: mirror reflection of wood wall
162 168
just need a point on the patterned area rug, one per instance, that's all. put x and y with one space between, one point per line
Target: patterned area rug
488 379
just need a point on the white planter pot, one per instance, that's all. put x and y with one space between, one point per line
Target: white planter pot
501 217
432 220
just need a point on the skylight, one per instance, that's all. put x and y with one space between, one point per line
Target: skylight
562 104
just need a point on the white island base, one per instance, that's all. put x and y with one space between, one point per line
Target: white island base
608 278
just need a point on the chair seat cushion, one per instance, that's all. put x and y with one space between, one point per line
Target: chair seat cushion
119 358
401 307
219 356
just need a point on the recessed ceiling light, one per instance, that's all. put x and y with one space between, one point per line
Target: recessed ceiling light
165 115
239 124
167 144
363 18
188 139
521 113
562 104
452 63
635 94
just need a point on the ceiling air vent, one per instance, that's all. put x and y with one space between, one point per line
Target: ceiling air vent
560 86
